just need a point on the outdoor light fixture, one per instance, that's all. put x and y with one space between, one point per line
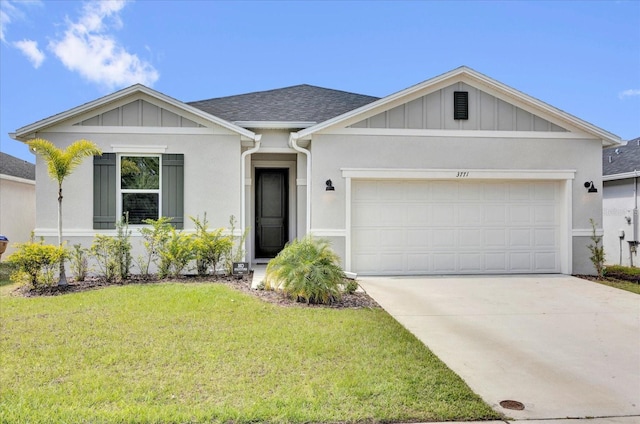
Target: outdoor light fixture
330 186
590 188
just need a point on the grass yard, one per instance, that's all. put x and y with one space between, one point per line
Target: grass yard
176 353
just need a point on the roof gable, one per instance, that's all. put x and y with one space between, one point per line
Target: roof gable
299 103
138 113
435 111
107 111
467 77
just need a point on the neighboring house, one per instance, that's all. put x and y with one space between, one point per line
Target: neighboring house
17 200
459 174
620 171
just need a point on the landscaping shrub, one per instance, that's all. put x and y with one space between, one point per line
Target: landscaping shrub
210 246
113 254
154 238
35 263
175 254
622 273
597 250
306 270
78 262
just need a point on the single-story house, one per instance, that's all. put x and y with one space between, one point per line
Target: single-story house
459 174
17 200
620 171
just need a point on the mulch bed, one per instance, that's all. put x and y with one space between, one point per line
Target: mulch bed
355 301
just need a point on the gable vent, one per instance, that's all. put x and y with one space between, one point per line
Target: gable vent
460 105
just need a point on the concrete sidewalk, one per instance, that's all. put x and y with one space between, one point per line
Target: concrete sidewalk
610 420
564 347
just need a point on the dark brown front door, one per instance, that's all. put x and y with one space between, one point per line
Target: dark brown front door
271 211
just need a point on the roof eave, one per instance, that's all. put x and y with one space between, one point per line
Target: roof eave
275 124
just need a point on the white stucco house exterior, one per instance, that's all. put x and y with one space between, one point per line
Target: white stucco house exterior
17 200
459 174
620 172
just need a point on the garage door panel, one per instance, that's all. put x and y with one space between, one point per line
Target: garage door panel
545 237
418 263
494 214
418 215
520 261
495 238
418 239
453 227
394 238
442 214
469 215
366 239
544 214
520 237
443 238
444 263
393 263
470 238
365 215
471 262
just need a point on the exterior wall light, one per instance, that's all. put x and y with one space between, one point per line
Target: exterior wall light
330 186
590 188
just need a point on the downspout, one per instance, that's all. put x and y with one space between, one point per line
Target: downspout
293 142
243 203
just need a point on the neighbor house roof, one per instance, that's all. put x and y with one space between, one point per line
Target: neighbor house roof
622 161
303 104
15 167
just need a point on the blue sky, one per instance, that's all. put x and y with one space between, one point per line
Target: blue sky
581 57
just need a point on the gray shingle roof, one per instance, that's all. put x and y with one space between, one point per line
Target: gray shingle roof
11 165
299 103
622 159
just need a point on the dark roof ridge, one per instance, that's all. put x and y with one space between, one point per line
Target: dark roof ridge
272 90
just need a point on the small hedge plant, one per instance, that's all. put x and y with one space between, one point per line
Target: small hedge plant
36 263
307 270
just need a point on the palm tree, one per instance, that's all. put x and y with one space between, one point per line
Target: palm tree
60 164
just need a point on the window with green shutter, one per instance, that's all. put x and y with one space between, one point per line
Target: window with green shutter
138 186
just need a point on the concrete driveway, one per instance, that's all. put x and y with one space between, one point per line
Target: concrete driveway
562 346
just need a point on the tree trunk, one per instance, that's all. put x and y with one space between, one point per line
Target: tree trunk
62 281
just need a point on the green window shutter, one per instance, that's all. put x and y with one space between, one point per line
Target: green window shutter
104 191
173 188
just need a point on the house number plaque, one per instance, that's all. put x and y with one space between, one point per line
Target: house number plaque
462 174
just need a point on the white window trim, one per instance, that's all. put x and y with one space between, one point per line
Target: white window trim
120 191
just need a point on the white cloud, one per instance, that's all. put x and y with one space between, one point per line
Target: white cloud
89 49
629 93
6 11
30 49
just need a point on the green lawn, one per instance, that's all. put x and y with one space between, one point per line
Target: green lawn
176 353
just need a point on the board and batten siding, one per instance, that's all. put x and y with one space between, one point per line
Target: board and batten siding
105 196
138 113
435 111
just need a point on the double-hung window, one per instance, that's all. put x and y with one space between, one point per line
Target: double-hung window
140 187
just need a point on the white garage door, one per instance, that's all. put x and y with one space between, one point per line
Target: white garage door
455 227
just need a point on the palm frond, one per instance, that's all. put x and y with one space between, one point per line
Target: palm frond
60 163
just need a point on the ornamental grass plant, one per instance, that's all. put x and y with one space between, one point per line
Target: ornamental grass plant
307 270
